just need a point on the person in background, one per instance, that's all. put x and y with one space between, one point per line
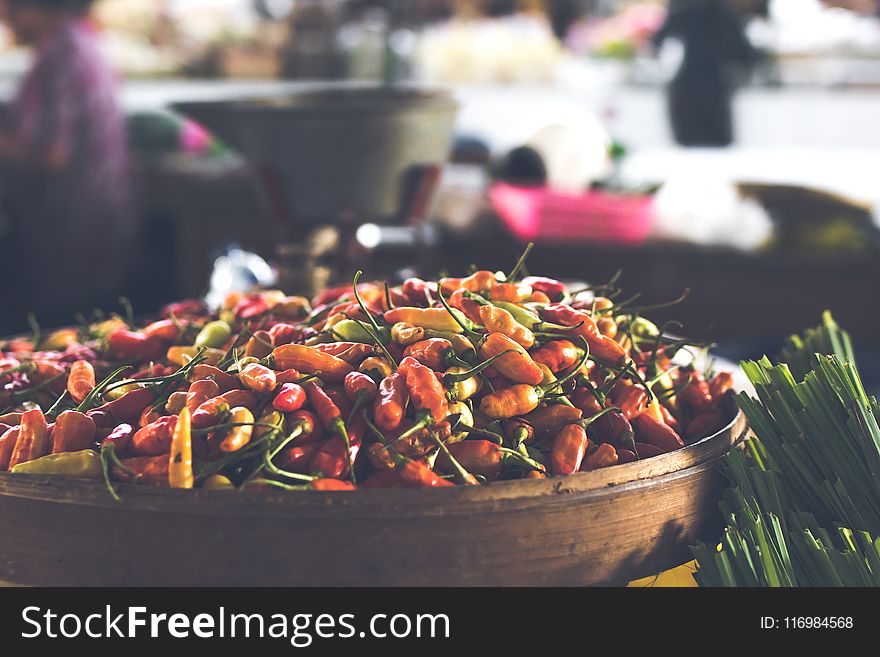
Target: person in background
64 171
701 93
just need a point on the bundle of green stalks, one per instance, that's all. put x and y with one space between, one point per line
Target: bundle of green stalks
804 503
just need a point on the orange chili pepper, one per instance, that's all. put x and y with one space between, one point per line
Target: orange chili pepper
224 380
499 320
199 392
427 393
80 380
558 355
466 305
512 292
602 457
244 398
569 448
517 366
436 353
479 281
720 384
310 361
258 378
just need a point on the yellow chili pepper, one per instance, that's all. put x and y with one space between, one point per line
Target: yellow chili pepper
217 482
437 319
182 355
462 390
238 436
406 334
460 408
85 464
180 471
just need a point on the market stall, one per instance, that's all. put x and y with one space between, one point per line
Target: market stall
482 327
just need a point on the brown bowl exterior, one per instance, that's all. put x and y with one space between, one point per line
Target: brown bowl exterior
596 528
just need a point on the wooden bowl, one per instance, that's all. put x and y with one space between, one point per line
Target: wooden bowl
603 527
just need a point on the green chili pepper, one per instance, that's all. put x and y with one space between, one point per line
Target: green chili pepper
82 465
350 330
213 335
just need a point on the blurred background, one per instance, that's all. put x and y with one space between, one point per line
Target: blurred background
729 148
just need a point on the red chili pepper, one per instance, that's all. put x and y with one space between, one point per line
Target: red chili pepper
311 429
201 391
359 387
626 456
288 376
333 459
193 308
210 413
331 418
554 290
704 424
290 398
129 407
120 438
224 380
632 400
298 458
697 394
647 450
130 345
310 361
148 470
283 333
165 330
155 438
390 405
250 307
426 391
73 432
670 419
651 431
418 292
479 457
601 346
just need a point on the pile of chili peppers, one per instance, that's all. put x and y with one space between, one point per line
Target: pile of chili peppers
461 381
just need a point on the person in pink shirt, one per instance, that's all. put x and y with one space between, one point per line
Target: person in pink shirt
64 169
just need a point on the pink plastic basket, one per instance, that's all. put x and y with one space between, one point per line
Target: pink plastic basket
540 214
